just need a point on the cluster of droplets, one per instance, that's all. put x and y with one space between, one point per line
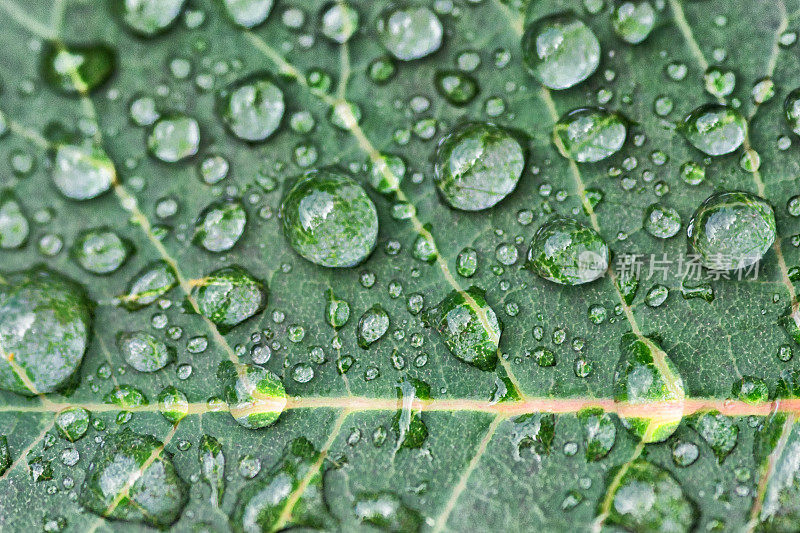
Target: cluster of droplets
329 219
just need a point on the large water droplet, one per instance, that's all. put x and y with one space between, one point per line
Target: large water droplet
633 20
560 51
469 327
646 375
567 252
661 221
407 422
212 466
148 18
143 351
456 87
599 432
77 69
387 512
82 171
72 423
220 226
410 32
337 312
44 328
647 498
791 109
732 230
477 165
261 504
14 225
589 134
339 22
715 129
124 482
329 219
100 251
172 404
229 296
252 108
255 395
719 431
174 138
777 446
150 284
372 325
248 13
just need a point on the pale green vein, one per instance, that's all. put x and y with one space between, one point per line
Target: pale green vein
22 18
24 455
686 30
286 514
480 449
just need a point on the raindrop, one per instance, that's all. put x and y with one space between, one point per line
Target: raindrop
560 51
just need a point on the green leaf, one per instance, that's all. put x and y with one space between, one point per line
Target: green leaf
442 266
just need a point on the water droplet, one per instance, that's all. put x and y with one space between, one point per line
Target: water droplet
174 138
144 352
381 70
148 18
251 108
633 20
248 13
372 325
143 111
212 466
14 225
731 230
719 82
220 226
410 32
150 284
692 173
407 423
469 327
467 262
661 221
339 22
589 134
791 109
646 374
560 51
302 373
255 395
260 505
656 296
684 453
763 91
568 253
715 129
72 423
599 432
77 69
456 87
477 165
387 173
172 404
229 296
45 320
719 431
154 492
100 251
647 498
533 433
337 312
82 171
329 219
